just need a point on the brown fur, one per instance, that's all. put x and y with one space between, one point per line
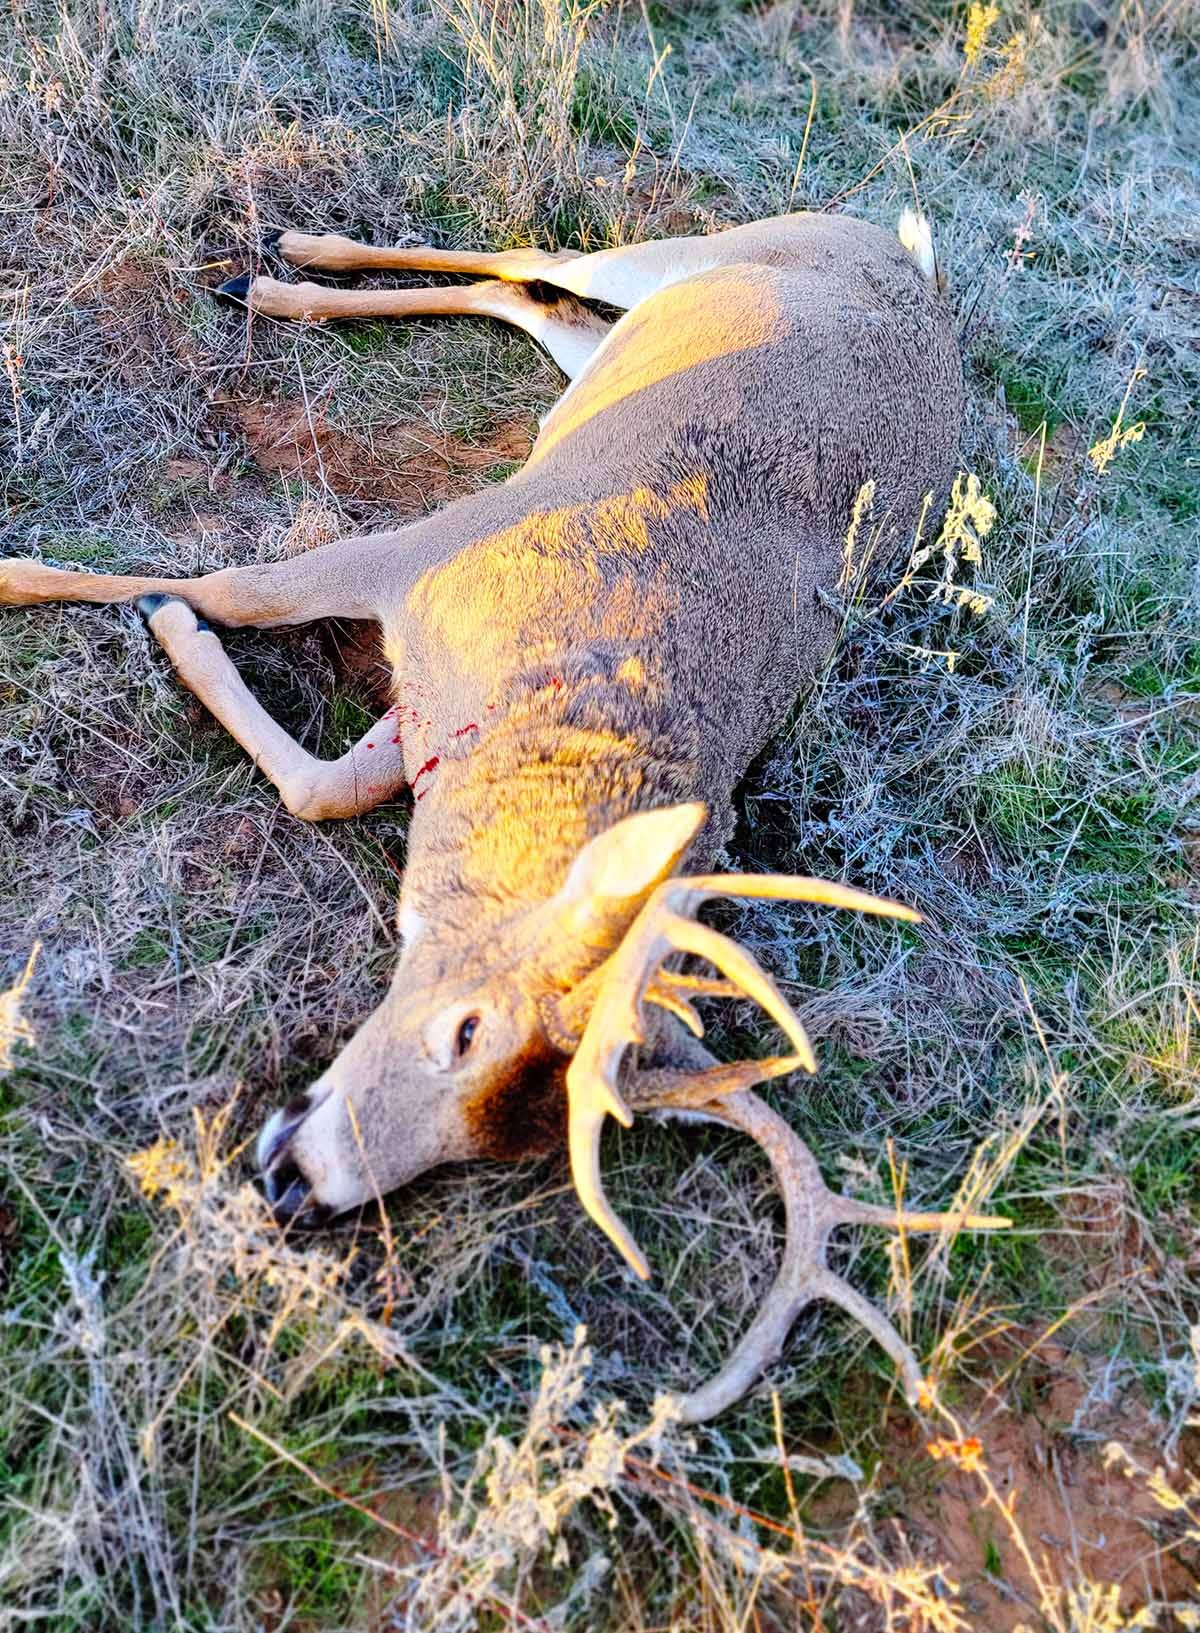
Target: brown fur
522 1111
708 567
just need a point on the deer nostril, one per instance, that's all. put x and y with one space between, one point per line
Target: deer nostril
291 1198
288 1192
279 1128
279 1181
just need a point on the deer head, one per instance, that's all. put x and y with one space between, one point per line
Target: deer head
492 1055
467 1054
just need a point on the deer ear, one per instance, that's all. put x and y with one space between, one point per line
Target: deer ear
632 857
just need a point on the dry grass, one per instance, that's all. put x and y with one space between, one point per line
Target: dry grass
205 1427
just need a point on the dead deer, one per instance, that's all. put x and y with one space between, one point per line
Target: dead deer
586 659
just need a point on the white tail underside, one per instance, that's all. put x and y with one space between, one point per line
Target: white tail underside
915 234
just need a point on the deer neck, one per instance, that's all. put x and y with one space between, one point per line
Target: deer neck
496 836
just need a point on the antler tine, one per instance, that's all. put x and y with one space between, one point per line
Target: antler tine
592 1095
789 887
827 1284
704 986
747 973
853 1212
664 1090
674 1002
671 990
585 1125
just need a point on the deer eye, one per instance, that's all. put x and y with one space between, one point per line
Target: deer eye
465 1036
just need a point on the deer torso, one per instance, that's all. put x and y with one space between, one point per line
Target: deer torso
662 568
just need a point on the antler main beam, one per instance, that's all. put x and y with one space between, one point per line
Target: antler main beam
812 1212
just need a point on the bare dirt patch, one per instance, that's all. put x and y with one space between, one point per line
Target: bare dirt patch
134 318
355 650
1082 1518
8 1241
412 464
106 780
1043 1427
1059 460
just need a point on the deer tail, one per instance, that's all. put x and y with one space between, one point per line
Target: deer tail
915 234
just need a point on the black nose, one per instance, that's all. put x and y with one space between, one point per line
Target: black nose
291 1197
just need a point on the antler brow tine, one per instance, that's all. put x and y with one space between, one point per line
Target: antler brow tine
589 1100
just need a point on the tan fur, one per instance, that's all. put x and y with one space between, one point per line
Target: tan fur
621 626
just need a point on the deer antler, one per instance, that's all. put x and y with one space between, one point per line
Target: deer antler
632 976
812 1212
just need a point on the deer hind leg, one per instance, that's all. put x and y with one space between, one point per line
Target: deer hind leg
620 277
313 789
563 325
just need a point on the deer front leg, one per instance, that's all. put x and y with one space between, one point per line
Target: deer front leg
351 578
312 789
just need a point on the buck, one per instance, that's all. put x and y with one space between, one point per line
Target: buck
586 658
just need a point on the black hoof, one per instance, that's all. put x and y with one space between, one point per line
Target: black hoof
270 240
236 289
148 605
